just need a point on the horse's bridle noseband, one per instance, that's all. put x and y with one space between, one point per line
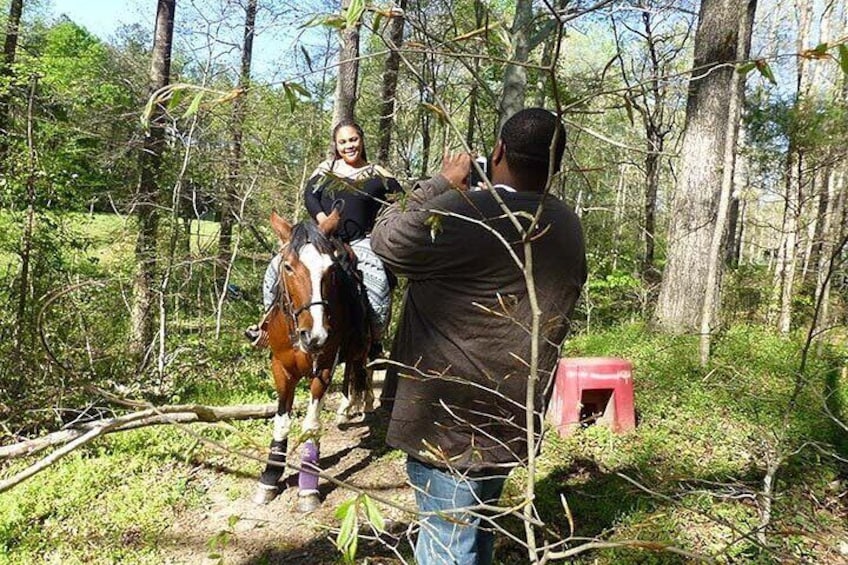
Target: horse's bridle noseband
302 309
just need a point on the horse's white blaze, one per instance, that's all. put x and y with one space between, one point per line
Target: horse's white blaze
312 421
282 426
317 263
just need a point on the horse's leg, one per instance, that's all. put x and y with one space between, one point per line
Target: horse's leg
343 412
267 488
368 385
308 496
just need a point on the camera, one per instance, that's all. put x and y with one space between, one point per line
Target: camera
474 178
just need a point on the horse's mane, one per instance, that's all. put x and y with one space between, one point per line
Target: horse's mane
308 232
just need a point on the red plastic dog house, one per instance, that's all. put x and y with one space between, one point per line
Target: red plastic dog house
592 390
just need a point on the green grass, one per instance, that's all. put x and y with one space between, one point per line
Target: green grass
700 452
700 449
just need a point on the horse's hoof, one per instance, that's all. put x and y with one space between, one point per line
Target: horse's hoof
308 502
265 494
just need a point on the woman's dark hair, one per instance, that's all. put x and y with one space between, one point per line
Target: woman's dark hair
358 128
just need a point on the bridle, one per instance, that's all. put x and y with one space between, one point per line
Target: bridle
283 300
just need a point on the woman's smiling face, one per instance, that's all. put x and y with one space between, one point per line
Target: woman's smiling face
349 145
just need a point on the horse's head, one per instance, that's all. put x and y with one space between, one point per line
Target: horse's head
307 262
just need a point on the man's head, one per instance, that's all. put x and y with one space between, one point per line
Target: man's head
524 149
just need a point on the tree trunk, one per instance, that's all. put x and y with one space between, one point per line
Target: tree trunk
823 183
653 119
345 102
230 200
10 47
715 260
695 204
474 93
736 219
515 75
148 197
652 184
794 179
22 319
831 233
390 80
618 214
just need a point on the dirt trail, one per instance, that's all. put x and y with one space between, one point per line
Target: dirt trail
229 528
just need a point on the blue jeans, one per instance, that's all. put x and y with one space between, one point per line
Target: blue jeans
453 538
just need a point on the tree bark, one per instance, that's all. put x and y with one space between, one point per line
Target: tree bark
695 204
831 233
390 81
515 75
715 262
10 46
736 219
795 164
346 84
823 183
230 200
148 188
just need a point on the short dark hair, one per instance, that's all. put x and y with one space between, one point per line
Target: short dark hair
527 137
358 128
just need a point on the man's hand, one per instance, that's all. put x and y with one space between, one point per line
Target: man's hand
455 168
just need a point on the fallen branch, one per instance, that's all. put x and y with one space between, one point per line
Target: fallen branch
155 416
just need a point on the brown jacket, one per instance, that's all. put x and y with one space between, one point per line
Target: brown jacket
464 336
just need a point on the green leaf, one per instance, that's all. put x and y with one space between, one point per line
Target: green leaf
843 57
291 97
372 513
328 20
194 106
354 13
766 71
435 223
436 111
378 19
821 49
344 507
628 107
146 113
350 554
347 527
177 94
307 57
346 541
746 68
233 520
299 88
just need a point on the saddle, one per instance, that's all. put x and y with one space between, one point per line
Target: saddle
354 285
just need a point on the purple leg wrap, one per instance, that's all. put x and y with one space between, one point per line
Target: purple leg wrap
308 460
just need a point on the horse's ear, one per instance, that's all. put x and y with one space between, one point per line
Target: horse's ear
282 227
330 223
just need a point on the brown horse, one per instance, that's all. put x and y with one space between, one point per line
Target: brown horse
317 321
